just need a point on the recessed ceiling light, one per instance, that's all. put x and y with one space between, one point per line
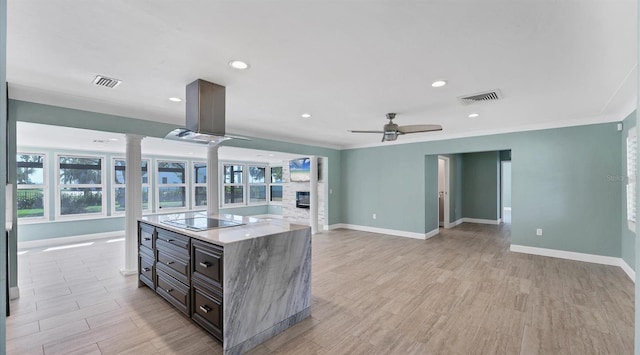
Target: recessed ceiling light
473 115
175 99
439 83
306 115
238 64
113 139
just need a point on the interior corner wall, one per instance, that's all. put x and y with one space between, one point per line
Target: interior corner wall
481 185
553 172
627 236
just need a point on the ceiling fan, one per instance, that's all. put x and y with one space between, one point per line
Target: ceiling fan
391 131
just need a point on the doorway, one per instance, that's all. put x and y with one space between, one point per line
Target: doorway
443 191
505 180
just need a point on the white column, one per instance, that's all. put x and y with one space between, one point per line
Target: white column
213 201
133 202
313 195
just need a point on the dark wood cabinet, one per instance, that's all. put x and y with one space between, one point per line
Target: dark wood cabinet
173 291
186 273
147 270
175 265
207 265
207 309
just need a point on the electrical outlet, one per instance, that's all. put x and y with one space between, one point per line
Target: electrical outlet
374 216
539 232
330 191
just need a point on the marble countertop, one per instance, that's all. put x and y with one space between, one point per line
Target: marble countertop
251 227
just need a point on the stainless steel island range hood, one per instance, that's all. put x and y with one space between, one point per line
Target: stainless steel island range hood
205 115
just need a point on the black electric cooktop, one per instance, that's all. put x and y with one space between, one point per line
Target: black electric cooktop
201 223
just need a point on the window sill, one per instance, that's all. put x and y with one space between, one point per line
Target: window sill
66 219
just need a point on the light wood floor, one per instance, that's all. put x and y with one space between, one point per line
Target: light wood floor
461 292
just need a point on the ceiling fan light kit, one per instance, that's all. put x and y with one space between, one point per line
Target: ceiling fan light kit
391 131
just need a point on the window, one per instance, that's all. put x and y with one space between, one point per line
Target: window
257 184
275 187
31 185
632 144
233 184
200 184
119 173
80 185
172 187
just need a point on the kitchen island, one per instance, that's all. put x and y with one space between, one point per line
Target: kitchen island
244 282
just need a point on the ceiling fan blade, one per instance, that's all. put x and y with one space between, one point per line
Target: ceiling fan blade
417 128
366 131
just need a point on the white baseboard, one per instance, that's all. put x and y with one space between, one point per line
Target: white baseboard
433 233
382 231
68 240
454 223
570 255
336 226
14 293
481 221
628 270
125 272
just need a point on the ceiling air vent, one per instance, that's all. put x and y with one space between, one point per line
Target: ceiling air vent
492 95
108 82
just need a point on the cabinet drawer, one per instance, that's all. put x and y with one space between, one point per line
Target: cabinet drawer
146 252
173 265
146 233
173 291
207 310
172 240
146 271
207 263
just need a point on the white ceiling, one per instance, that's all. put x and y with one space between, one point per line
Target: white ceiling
347 63
33 135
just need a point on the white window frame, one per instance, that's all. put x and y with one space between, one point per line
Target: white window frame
44 187
159 184
243 184
269 201
632 146
60 186
114 185
250 184
196 184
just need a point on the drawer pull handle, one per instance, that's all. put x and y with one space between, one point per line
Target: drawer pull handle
146 269
205 309
205 264
147 239
169 290
169 262
169 240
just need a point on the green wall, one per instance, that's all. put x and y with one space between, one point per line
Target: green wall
559 179
388 181
481 185
628 237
